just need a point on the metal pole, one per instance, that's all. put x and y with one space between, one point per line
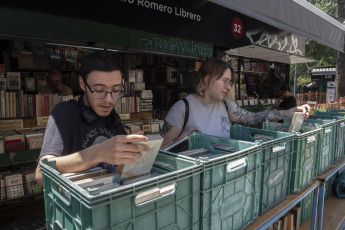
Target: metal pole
295 81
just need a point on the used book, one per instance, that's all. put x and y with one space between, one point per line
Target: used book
144 164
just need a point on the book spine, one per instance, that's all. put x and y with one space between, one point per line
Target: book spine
15 104
38 105
33 96
25 102
43 106
9 104
2 104
46 104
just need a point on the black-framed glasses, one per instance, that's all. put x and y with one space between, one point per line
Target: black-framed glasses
103 94
227 82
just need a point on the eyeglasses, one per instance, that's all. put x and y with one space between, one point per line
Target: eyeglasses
227 82
103 94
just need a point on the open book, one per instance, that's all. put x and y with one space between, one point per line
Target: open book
144 164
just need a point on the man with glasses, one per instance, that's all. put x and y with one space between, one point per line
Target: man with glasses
88 132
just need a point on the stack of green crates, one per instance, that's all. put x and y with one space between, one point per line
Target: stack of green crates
304 160
230 182
277 149
340 131
68 206
336 110
327 145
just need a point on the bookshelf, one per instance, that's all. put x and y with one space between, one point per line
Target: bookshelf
253 75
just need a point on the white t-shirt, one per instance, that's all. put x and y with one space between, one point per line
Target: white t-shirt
211 119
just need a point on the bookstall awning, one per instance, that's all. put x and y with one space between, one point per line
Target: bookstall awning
258 52
296 16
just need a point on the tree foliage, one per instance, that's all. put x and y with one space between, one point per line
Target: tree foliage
324 55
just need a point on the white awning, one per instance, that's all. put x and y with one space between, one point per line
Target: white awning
296 16
258 52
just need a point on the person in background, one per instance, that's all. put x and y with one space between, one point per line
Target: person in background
54 85
210 109
88 132
288 101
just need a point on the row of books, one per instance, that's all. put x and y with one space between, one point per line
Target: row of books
146 125
291 220
249 65
20 104
186 78
65 58
269 101
134 104
15 185
21 139
166 98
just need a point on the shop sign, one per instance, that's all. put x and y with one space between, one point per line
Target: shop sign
200 21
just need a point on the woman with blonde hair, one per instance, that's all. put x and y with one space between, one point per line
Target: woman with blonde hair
209 108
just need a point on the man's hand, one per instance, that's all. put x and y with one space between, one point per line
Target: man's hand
303 108
120 150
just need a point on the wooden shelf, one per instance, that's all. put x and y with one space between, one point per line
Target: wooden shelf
20 157
47 69
139 115
283 207
253 72
324 175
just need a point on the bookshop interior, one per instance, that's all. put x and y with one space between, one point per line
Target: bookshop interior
192 190
152 83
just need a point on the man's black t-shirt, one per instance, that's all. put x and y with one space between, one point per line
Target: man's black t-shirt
288 103
67 133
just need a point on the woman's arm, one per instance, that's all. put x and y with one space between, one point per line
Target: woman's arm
170 133
242 116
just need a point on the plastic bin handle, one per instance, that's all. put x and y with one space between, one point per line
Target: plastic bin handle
328 130
61 194
311 139
154 194
236 165
342 124
278 148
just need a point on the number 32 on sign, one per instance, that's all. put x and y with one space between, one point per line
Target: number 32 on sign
237 28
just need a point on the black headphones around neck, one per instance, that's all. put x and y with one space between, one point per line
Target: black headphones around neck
89 116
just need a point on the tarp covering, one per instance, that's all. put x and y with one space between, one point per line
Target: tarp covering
296 16
339 185
254 51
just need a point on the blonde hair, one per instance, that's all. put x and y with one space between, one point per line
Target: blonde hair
214 68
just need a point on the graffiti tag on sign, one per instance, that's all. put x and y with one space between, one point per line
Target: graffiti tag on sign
287 43
175 46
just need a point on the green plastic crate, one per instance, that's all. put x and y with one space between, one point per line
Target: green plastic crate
304 160
230 183
336 110
68 206
306 207
277 149
327 145
340 131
